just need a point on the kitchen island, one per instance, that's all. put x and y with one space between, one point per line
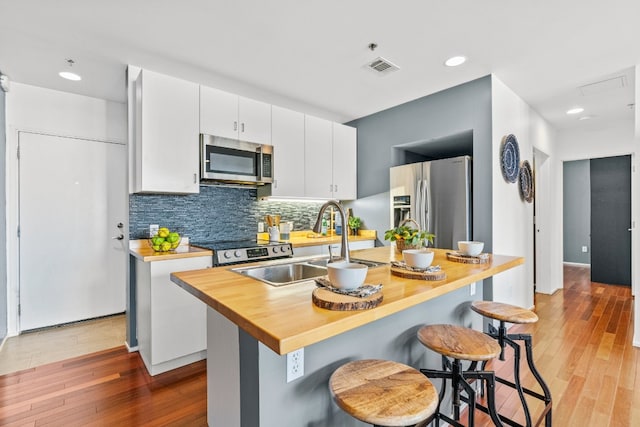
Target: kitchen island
251 326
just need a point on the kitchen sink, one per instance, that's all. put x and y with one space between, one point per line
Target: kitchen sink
294 272
283 274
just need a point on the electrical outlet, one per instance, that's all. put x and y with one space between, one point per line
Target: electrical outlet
153 229
584 249
295 364
472 288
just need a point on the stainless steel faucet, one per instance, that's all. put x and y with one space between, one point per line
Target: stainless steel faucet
344 250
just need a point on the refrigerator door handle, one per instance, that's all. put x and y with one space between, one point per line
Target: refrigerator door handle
416 213
427 206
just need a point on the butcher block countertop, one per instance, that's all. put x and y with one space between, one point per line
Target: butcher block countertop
285 319
142 251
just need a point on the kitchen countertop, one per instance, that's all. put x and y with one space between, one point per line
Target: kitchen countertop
142 251
285 319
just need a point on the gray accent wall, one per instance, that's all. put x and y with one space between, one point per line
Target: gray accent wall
576 211
461 110
3 219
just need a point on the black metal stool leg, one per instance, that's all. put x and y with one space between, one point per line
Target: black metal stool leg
503 339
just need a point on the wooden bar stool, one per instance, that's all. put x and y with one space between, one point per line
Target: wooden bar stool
460 344
383 393
514 314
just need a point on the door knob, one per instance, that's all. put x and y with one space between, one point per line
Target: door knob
120 237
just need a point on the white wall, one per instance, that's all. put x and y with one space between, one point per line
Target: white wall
512 217
30 108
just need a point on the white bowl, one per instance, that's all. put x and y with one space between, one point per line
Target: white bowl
346 275
418 258
470 248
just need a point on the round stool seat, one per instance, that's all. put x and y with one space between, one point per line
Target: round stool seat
383 392
458 342
504 312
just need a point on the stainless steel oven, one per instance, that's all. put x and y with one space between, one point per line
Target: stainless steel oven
237 162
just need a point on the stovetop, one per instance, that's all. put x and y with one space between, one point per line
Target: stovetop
233 244
239 251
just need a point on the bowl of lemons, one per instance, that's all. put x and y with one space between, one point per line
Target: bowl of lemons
165 240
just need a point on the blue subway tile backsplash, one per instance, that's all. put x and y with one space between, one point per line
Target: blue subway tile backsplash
217 213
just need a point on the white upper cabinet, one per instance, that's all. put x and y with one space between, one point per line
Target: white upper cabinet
255 120
232 116
318 181
345 173
330 160
218 112
166 158
287 138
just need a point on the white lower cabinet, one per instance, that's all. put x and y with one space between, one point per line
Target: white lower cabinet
171 322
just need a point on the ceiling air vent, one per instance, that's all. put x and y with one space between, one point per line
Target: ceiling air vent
382 66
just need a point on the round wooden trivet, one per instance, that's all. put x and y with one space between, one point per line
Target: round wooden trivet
324 298
468 259
422 275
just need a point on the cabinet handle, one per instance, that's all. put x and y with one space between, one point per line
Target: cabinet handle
330 188
335 188
195 178
275 183
235 125
242 127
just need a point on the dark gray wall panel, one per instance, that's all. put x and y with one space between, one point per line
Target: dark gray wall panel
576 211
611 220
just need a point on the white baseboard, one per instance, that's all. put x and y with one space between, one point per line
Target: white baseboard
576 264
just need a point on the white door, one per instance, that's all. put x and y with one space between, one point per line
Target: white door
72 197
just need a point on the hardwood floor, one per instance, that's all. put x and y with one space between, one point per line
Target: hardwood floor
107 388
582 347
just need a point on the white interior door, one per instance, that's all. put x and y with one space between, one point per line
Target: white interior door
72 197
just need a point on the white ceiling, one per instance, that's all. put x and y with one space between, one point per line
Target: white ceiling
312 52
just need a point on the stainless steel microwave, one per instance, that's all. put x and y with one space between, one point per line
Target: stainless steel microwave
232 161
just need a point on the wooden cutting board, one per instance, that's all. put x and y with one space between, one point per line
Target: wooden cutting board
466 259
421 275
324 298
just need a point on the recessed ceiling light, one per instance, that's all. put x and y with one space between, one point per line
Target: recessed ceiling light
454 61
68 74
575 110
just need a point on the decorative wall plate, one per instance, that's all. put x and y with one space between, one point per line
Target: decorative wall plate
525 179
510 158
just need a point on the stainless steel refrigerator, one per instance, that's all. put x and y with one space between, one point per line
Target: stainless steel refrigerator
437 195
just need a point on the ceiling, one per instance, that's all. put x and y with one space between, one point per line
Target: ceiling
313 53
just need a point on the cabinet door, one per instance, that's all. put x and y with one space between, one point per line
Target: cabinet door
287 137
218 113
345 174
178 319
255 121
167 139
318 158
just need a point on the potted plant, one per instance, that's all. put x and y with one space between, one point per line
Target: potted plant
407 237
354 224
